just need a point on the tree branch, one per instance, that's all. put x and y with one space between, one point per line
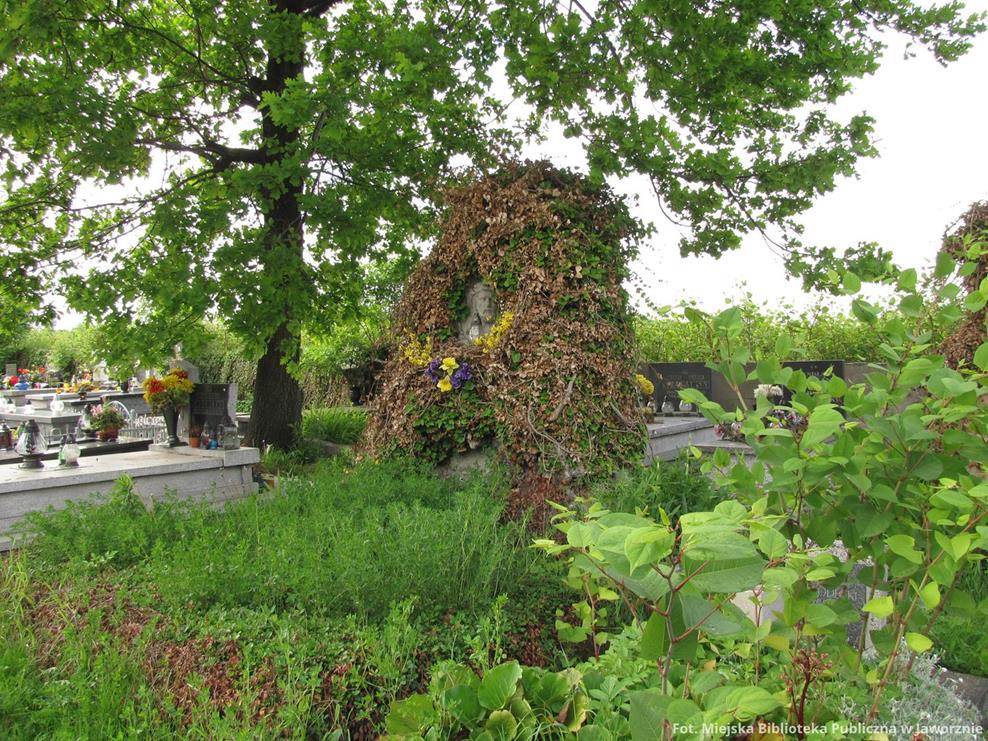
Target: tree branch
219 155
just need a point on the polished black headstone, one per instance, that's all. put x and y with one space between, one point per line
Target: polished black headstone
670 378
211 403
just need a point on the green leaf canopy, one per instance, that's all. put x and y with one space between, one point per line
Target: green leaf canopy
169 159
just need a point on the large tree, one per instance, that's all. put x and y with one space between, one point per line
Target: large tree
170 159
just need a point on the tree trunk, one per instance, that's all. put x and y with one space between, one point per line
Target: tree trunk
277 413
278 400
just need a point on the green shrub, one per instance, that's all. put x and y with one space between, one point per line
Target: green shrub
676 486
66 350
350 343
221 358
341 425
823 332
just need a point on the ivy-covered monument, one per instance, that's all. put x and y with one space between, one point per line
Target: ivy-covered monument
515 331
966 246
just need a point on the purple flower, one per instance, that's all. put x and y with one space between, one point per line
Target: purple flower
433 371
460 376
730 431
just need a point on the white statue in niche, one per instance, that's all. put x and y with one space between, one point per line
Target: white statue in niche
482 313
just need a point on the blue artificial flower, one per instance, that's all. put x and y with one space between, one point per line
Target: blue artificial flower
434 370
460 376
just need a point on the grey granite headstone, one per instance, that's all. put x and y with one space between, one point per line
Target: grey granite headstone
179 362
10 369
856 593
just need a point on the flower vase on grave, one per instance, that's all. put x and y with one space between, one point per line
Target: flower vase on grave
108 434
170 413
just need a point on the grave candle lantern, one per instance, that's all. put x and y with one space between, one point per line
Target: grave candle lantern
69 453
230 435
6 437
31 444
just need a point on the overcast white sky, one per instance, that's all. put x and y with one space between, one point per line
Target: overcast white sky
932 135
930 131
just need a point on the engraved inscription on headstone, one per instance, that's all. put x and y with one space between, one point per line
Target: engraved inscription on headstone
481 313
10 369
213 403
669 378
818 368
855 592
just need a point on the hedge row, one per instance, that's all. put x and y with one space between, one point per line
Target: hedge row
823 332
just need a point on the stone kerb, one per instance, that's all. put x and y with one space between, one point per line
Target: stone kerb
214 476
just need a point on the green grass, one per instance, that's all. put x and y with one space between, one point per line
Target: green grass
960 638
338 542
961 643
319 603
341 425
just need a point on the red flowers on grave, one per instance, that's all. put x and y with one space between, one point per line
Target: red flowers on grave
171 390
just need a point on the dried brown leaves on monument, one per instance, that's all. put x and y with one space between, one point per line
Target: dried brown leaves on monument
960 346
556 393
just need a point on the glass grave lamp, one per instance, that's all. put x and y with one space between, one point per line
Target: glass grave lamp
57 405
68 454
31 445
230 435
6 437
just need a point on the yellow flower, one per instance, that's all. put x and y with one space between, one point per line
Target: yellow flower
416 352
644 385
445 385
493 338
449 364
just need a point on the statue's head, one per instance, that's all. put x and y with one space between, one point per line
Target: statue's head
480 299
